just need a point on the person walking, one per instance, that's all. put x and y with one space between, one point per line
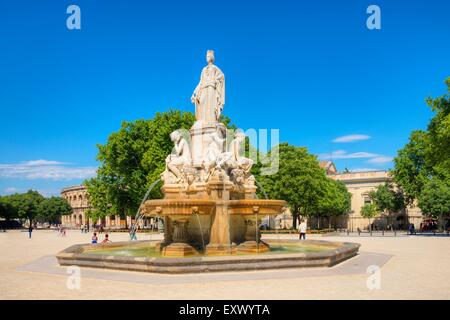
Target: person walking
30 231
302 229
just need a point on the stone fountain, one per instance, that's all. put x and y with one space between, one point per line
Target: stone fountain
210 209
210 203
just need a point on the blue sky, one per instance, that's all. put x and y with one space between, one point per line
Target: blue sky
311 69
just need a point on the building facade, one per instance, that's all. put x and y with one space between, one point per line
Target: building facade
78 198
360 184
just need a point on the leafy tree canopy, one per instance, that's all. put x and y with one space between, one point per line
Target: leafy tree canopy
369 210
24 205
425 159
299 180
51 209
336 200
131 160
386 198
33 206
6 209
434 200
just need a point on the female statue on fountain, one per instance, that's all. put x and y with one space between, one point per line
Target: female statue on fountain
209 95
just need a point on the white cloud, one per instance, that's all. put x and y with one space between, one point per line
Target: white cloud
380 160
10 190
42 163
44 169
342 154
351 138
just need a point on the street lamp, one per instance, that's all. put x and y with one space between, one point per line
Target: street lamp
351 219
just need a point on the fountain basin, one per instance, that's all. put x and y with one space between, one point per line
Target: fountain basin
139 256
225 226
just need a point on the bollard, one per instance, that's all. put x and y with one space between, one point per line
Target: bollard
382 233
348 232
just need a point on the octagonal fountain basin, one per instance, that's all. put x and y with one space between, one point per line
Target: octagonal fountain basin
145 256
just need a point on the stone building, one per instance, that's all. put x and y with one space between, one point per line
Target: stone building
359 184
78 199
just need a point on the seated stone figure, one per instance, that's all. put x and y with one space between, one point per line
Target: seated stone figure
215 158
238 165
179 161
238 161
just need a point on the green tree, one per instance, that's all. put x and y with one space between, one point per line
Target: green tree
369 211
26 205
336 201
438 155
387 199
411 169
427 154
51 209
299 180
7 211
132 159
434 200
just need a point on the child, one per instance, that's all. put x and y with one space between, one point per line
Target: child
106 240
94 238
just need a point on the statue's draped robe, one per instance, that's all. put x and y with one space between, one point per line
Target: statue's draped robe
210 94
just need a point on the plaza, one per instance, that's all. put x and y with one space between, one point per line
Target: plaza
411 267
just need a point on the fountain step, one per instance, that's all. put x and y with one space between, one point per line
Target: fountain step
179 250
253 247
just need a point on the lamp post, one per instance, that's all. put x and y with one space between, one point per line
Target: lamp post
351 219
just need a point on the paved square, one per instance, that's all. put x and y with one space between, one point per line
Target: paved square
411 268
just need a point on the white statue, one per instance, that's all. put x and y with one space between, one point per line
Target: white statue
209 95
179 159
237 161
215 157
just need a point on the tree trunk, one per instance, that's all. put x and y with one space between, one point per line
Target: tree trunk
294 218
295 214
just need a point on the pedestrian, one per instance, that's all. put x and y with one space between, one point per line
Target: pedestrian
30 230
106 240
94 238
413 228
302 229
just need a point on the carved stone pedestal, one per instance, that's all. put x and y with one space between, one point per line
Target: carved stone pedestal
179 247
253 243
